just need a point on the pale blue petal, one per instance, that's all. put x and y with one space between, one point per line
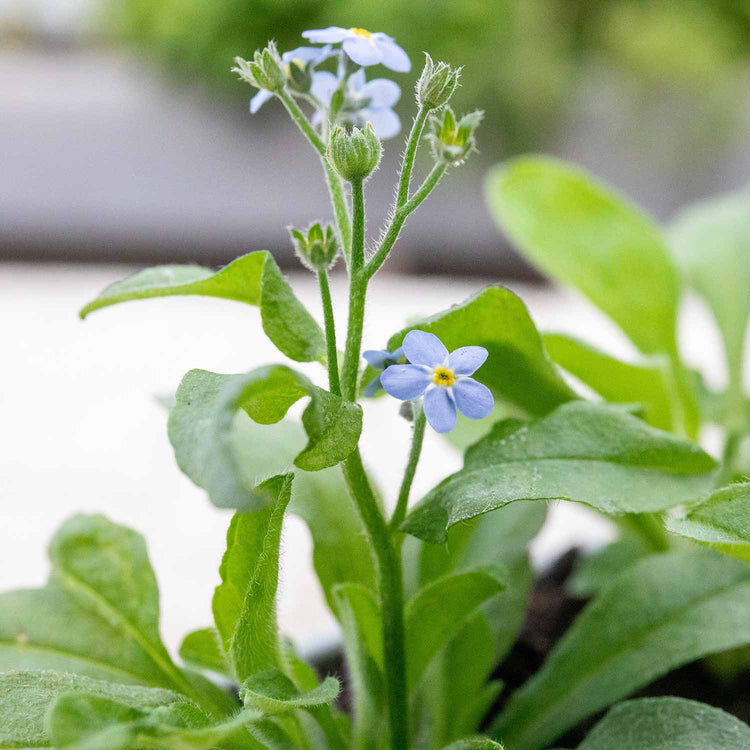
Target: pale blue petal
259 100
422 348
467 360
357 80
381 92
331 35
306 54
398 354
373 387
473 399
362 51
405 382
392 56
385 122
377 358
440 409
323 85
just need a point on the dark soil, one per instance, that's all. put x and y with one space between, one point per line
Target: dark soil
551 612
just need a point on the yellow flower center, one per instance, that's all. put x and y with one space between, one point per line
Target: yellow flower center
361 32
443 376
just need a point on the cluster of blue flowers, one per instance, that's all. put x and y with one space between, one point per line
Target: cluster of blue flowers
440 378
364 101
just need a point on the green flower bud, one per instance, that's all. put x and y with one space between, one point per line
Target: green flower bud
265 71
452 141
354 155
436 84
316 247
299 75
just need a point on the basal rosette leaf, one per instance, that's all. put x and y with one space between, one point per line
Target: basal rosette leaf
664 611
272 692
254 279
584 234
517 369
203 423
667 724
203 649
588 453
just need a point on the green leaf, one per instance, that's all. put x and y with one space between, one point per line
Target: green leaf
363 645
474 743
586 235
254 279
617 381
88 722
272 692
203 425
244 603
710 242
203 649
722 521
439 610
661 613
667 724
98 616
517 369
25 698
341 553
588 453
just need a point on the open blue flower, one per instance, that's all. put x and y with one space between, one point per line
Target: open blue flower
379 359
442 378
301 56
363 47
364 101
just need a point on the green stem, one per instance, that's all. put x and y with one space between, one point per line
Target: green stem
400 216
411 467
411 150
731 449
391 595
333 357
335 185
357 293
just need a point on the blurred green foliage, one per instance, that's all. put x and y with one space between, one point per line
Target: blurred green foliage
522 58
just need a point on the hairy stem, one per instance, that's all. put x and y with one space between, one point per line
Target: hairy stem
391 595
407 165
357 293
411 468
330 329
400 216
335 185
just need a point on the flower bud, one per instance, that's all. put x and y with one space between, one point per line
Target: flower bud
317 247
265 71
354 155
436 84
453 141
299 74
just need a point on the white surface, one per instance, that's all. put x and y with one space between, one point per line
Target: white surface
81 430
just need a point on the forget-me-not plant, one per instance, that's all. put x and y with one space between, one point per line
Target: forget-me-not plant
363 47
379 359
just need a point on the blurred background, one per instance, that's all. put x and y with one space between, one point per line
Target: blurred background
124 139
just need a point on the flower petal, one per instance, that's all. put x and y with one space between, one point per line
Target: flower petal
323 85
331 35
377 358
362 51
440 409
306 54
393 56
259 100
473 399
381 92
422 348
385 122
357 80
373 387
467 360
405 382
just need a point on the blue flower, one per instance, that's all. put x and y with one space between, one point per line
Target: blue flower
364 101
379 359
442 378
363 47
302 56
